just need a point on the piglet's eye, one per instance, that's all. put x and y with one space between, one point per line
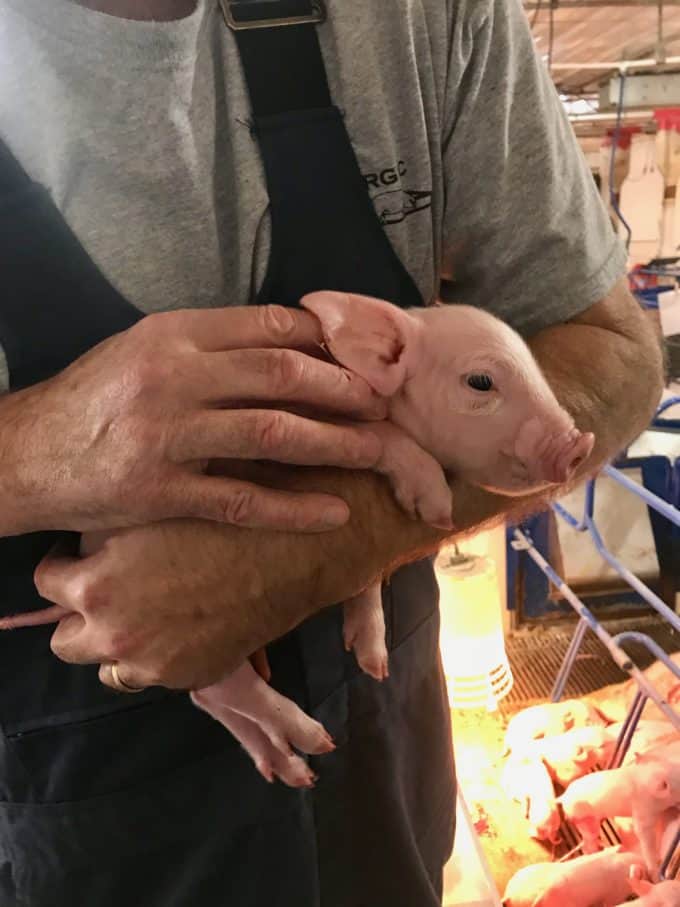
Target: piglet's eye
480 382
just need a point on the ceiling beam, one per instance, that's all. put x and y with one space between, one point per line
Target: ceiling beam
530 5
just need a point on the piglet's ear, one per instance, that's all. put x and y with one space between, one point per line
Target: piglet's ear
370 337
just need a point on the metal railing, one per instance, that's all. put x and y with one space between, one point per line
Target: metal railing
587 620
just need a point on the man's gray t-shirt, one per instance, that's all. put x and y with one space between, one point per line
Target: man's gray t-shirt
140 130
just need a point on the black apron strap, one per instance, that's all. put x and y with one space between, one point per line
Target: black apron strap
52 292
13 177
309 163
282 61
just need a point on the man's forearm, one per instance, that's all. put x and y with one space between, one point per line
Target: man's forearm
605 368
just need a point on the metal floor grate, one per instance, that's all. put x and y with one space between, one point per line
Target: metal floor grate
536 656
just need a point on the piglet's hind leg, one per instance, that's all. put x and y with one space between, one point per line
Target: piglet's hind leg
364 631
270 762
279 718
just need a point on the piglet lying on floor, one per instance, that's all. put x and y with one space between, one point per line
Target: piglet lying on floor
466 397
597 880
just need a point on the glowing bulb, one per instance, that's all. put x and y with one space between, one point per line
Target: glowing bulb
471 640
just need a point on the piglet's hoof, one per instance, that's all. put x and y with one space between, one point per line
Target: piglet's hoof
270 762
364 632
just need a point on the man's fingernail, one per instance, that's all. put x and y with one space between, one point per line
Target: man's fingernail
334 516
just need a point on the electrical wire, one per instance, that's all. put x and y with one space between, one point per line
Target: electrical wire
660 48
551 31
615 142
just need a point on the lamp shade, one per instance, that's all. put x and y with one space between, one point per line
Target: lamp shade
472 641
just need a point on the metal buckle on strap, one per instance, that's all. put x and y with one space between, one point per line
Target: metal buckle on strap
315 17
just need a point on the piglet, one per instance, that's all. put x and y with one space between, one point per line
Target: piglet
527 781
597 880
648 735
549 720
600 795
656 795
465 397
575 753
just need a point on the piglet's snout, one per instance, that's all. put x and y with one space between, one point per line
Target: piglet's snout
564 455
550 451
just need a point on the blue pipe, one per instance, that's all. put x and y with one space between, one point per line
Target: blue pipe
628 730
667 424
587 524
621 658
656 503
642 590
568 661
671 401
588 509
669 857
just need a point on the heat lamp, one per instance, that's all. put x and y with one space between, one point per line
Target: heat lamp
472 640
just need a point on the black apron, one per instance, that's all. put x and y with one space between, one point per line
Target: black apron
109 800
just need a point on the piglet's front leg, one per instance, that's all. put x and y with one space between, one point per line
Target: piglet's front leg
364 631
417 479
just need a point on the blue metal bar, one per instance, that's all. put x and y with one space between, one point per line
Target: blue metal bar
669 856
643 640
642 590
667 404
656 503
588 510
568 661
666 424
621 658
587 523
613 644
627 731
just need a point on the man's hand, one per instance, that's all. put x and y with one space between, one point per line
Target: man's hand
122 435
181 603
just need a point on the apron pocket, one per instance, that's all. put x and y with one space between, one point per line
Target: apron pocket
108 753
213 833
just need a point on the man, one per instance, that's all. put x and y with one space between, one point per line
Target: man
198 167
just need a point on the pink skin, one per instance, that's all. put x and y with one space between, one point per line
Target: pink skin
656 793
664 894
648 735
549 720
527 781
600 879
267 724
575 753
589 800
513 438
364 631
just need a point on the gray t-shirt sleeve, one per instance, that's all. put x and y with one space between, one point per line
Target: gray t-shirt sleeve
525 232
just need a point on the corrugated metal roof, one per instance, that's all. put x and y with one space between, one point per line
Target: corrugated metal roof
589 33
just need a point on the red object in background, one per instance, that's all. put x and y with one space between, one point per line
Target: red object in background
668 118
638 281
625 136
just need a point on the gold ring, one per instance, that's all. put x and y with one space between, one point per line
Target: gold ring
120 684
